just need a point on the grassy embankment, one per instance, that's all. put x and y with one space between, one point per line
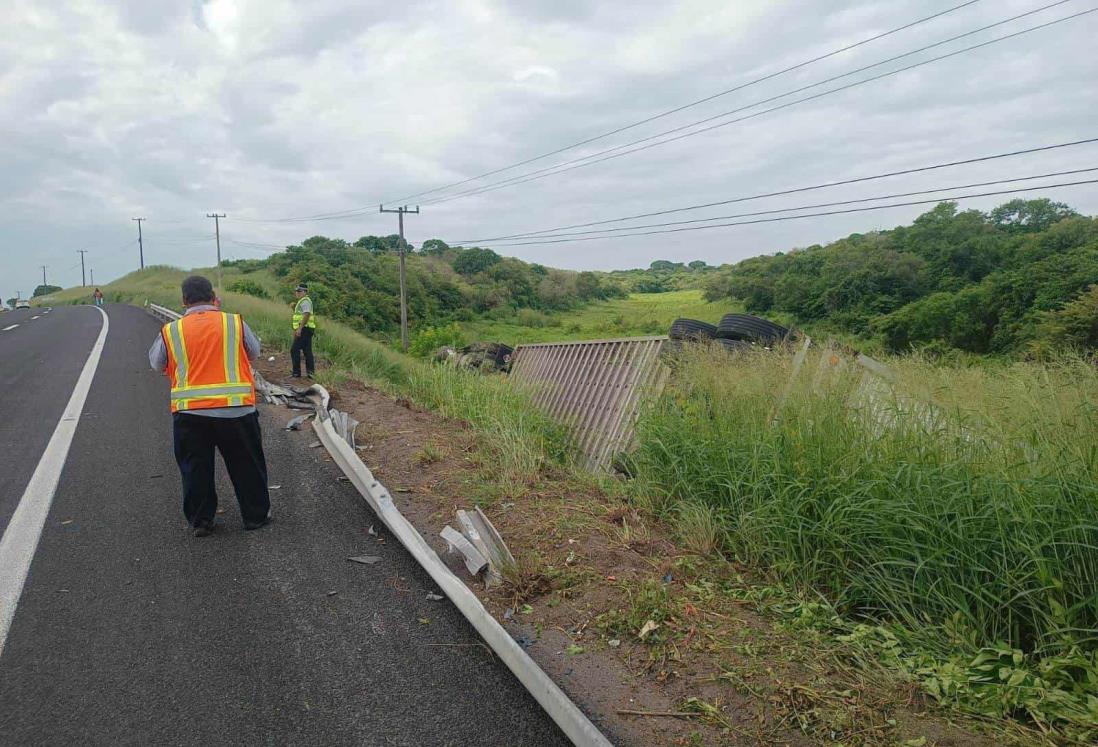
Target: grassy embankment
971 536
968 552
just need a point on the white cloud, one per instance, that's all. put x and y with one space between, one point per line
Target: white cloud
268 108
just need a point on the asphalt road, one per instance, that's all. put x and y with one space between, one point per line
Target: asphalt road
131 631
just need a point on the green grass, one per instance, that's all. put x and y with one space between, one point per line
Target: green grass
638 315
977 530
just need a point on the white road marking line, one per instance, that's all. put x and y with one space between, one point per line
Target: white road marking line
20 539
34 317
9 328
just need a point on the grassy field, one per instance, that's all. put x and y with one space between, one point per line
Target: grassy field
639 315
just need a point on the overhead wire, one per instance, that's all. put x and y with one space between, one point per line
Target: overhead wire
698 102
794 190
946 198
351 212
612 153
860 200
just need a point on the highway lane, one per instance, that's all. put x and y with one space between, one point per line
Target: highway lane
131 631
39 363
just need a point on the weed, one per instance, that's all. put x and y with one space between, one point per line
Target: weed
429 454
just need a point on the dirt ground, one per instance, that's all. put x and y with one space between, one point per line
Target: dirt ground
592 572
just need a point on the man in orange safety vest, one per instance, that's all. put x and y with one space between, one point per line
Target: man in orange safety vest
206 355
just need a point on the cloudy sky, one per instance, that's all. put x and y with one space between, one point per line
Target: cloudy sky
270 109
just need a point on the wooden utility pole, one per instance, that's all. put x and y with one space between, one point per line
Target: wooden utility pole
83 275
401 211
140 244
217 234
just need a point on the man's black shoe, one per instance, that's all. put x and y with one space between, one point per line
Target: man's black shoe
203 529
250 525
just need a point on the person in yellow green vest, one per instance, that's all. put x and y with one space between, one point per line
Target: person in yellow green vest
304 324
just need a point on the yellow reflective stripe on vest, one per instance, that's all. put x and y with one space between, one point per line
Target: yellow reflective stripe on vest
179 352
210 391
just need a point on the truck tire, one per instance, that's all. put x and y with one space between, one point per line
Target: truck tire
692 329
750 328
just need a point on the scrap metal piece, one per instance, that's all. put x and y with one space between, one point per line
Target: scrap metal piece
295 424
474 561
493 577
491 537
365 559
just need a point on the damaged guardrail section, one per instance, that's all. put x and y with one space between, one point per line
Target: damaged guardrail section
567 715
337 440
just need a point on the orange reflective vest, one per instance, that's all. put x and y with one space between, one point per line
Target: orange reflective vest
207 363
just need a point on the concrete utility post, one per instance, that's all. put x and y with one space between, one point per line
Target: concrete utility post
90 272
83 274
140 244
44 275
400 211
217 234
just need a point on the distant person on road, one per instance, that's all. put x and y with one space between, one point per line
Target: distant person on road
206 355
98 297
304 324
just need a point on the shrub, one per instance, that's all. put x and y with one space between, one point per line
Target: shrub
427 341
249 288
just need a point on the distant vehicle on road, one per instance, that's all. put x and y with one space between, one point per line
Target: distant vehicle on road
21 304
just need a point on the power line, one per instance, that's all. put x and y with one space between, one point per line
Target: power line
356 211
823 204
795 190
947 198
610 153
698 102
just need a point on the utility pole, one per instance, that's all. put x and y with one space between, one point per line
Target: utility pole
401 211
83 275
140 244
92 273
217 234
44 275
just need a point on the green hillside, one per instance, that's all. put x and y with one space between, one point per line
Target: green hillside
1010 281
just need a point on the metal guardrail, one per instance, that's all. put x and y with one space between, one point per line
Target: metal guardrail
162 313
594 388
567 715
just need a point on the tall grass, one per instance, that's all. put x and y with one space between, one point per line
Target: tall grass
979 522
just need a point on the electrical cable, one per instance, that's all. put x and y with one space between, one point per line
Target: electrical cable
610 154
822 204
795 190
356 211
949 198
698 102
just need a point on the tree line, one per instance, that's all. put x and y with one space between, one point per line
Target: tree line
1020 278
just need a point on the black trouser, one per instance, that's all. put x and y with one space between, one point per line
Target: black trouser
303 344
241 445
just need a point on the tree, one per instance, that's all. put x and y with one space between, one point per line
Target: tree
1074 325
474 260
1029 216
45 290
698 264
434 246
